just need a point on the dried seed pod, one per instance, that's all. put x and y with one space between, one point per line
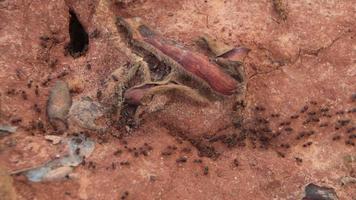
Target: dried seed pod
58 105
192 63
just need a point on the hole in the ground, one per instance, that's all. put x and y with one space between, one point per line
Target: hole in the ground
79 40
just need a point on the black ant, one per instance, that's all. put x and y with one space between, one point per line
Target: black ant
118 152
16 120
324 125
125 195
62 74
294 116
289 129
299 160
113 166
260 108
181 160
186 150
29 84
314 103
343 122
37 108
311 113
304 109
352 136
349 142
324 109
353 110
37 90
45 83
206 170
236 162
280 154
99 94
287 123
285 146
275 115
352 129
126 163
197 161
341 112
24 95
307 144
336 137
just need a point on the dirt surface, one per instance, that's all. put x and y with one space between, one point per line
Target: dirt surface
301 72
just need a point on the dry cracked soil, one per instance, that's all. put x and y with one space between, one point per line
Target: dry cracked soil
300 112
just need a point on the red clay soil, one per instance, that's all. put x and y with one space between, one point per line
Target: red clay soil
301 57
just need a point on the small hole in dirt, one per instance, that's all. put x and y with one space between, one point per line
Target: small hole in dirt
79 40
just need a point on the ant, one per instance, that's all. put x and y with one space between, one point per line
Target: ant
349 142
287 123
341 112
299 160
29 84
314 103
198 161
118 152
324 125
236 162
324 109
37 108
289 129
126 163
307 144
311 113
37 90
260 108
343 122
181 160
304 109
206 170
186 150
280 154
275 115
287 146
62 74
99 94
336 137
16 120
125 195
294 116
88 66
24 95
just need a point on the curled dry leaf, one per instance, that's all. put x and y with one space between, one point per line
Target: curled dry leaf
216 47
222 51
236 54
136 95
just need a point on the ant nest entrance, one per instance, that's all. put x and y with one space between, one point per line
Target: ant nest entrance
79 40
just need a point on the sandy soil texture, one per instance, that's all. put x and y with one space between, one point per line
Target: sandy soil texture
299 125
